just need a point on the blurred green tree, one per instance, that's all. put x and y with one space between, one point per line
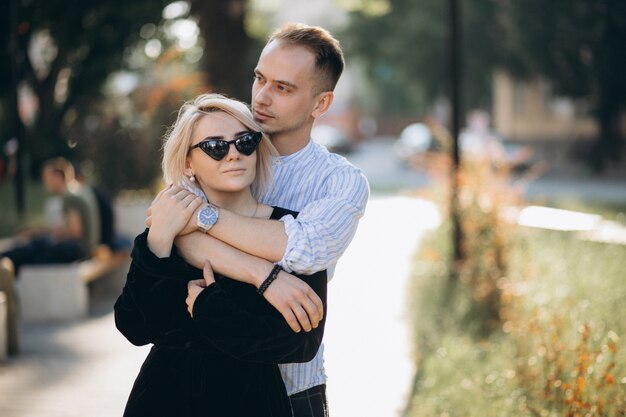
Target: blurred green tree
65 52
577 45
580 47
74 57
404 51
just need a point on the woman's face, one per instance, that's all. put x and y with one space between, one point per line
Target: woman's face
235 172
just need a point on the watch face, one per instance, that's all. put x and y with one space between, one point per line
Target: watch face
207 216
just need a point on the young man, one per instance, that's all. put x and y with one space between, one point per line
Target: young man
293 86
70 240
73 238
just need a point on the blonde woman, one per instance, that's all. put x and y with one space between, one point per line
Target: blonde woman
220 360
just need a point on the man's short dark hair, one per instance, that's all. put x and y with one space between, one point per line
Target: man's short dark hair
329 61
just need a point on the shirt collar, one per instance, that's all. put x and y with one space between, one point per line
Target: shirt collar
297 157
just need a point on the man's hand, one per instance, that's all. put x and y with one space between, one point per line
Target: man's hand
296 301
195 287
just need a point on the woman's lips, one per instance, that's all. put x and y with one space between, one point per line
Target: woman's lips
234 170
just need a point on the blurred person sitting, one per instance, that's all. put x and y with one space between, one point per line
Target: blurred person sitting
74 238
65 241
108 238
77 185
481 143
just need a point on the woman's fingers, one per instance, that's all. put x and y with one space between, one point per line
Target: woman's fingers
158 196
189 200
194 288
207 273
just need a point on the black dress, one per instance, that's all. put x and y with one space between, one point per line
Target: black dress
221 363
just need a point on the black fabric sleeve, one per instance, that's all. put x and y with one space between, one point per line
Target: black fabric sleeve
152 303
256 336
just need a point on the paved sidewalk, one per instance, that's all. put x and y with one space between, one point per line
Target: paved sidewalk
77 369
86 368
369 357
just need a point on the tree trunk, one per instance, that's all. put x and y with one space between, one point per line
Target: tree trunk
17 125
226 46
455 69
611 90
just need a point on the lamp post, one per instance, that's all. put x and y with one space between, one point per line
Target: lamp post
18 127
455 66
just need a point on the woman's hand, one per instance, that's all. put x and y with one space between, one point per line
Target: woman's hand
169 215
195 287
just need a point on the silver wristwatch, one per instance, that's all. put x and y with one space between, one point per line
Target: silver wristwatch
207 217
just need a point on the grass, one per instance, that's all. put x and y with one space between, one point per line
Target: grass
10 220
557 351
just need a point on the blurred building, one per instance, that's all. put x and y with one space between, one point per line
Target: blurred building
527 111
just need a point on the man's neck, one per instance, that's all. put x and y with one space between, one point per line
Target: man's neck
289 144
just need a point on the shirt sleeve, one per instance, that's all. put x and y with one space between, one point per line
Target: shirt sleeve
321 233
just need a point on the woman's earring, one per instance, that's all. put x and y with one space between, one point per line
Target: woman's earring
192 178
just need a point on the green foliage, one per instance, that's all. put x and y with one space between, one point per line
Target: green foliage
405 52
10 222
527 324
578 45
568 41
557 351
84 43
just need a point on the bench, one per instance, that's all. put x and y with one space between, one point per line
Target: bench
59 292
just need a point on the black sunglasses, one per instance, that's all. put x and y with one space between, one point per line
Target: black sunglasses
218 148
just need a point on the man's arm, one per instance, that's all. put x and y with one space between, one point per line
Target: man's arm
293 298
260 237
314 240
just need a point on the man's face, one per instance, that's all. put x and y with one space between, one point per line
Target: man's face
52 181
282 99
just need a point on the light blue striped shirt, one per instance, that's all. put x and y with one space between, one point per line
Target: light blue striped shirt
330 194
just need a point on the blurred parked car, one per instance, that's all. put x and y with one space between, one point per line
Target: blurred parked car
415 139
332 138
475 141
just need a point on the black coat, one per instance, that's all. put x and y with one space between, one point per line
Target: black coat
221 363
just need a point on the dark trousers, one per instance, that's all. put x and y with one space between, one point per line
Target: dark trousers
310 403
43 250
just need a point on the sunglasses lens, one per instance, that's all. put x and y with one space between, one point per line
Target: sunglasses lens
216 149
246 144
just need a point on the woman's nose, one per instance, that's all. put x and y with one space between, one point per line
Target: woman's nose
233 154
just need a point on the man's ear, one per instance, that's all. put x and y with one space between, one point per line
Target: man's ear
324 100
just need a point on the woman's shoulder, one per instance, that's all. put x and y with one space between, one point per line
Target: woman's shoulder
280 212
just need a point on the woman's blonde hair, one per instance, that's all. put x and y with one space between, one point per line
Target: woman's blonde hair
178 140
